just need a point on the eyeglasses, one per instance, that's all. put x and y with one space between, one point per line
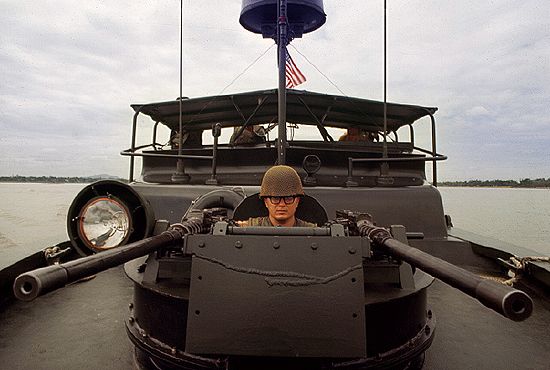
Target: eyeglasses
288 199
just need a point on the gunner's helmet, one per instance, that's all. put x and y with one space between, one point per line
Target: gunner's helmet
281 180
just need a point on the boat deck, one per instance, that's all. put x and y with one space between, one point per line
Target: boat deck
82 327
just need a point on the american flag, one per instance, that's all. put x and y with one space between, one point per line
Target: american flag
294 76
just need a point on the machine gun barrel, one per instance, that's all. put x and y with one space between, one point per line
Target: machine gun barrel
32 284
509 302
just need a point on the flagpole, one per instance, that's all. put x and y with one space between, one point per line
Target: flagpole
281 43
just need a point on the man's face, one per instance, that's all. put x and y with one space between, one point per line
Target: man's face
281 211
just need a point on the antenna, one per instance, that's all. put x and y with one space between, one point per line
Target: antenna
384 178
282 41
385 147
180 176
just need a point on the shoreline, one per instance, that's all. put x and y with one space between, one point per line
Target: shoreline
90 180
492 186
56 180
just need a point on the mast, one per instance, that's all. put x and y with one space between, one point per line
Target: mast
282 40
385 146
287 20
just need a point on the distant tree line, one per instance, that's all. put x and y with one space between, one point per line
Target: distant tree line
524 183
55 179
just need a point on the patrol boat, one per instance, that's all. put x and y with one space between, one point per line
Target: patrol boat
355 292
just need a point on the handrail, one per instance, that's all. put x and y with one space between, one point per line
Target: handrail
133 144
434 150
426 151
438 157
155 127
130 153
152 145
433 158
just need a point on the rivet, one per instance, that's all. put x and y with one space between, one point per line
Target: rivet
144 334
352 250
202 245
174 351
276 245
430 314
131 320
130 305
238 244
427 330
314 246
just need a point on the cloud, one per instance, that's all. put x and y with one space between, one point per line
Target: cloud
70 71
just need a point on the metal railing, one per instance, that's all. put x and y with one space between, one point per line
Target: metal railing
351 160
384 160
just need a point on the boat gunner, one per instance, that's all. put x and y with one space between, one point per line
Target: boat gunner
252 134
357 134
281 192
190 138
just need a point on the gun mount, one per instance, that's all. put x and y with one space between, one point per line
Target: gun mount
511 303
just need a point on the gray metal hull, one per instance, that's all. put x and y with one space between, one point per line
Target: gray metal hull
82 327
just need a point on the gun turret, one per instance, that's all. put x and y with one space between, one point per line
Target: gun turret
509 302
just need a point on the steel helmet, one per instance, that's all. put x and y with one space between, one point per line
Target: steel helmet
281 180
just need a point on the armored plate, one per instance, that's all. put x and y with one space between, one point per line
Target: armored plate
276 296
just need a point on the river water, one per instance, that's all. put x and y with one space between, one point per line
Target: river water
518 216
33 216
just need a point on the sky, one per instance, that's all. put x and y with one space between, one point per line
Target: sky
70 70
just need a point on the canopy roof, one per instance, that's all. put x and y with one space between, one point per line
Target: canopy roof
303 107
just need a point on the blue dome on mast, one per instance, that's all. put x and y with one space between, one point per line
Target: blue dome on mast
260 16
